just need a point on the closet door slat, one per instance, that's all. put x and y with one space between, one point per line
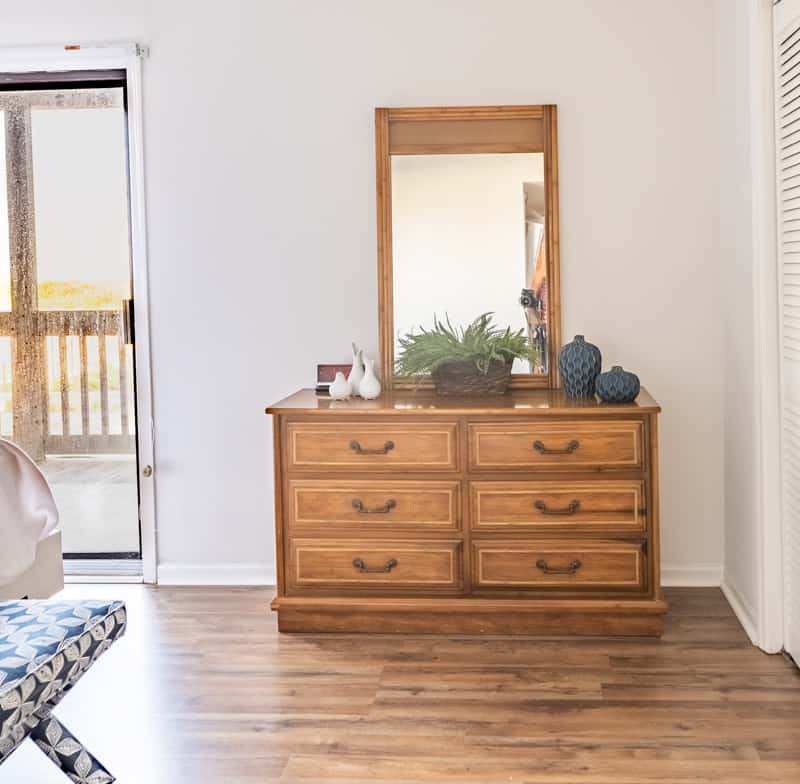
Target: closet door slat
787 126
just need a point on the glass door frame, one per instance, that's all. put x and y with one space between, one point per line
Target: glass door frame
48 63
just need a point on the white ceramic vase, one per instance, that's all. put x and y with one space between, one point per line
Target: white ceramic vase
340 388
357 371
370 387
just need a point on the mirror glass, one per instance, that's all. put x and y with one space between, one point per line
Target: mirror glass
468 238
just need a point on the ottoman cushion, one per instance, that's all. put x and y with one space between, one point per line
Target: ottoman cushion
45 647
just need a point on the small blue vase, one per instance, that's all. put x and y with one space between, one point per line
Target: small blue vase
579 363
617 386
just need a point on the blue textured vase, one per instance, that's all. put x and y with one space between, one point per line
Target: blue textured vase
579 363
617 386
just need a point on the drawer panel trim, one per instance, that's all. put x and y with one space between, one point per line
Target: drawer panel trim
357 564
374 506
567 445
588 505
612 565
373 446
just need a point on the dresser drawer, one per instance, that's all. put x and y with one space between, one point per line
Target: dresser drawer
374 446
320 565
375 507
591 505
563 445
559 564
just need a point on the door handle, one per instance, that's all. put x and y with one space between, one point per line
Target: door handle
567 450
360 450
364 569
570 568
569 509
358 505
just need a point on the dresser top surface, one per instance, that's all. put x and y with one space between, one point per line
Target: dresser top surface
516 401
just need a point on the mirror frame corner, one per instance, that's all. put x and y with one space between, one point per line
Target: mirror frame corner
465 129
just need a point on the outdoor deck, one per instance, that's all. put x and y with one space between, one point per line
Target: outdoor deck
97 500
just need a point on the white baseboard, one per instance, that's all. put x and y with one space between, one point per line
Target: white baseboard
102 579
692 576
741 608
80 568
216 574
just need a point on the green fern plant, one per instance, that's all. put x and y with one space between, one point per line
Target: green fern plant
481 343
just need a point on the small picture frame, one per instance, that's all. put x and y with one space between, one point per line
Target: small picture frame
326 375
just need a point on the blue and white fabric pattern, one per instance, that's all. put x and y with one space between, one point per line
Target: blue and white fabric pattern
45 648
61 747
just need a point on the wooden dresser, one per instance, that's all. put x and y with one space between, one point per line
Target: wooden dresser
527 513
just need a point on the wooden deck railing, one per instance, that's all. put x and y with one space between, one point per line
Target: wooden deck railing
87 438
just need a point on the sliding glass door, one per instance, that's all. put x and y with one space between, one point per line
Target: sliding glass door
66 356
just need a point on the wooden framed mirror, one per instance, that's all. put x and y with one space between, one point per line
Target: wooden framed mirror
467 224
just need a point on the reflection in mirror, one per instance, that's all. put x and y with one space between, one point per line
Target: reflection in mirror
467 238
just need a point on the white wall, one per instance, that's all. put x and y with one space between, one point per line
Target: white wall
251 106
736 243
752 558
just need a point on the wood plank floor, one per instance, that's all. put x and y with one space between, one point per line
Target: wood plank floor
204 689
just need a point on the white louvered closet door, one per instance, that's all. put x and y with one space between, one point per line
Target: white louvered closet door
787 107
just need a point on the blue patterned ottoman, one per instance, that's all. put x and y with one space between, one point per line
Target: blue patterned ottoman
45 647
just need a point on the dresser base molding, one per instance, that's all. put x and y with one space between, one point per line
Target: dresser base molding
547 617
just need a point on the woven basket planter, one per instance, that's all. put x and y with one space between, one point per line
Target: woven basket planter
463 378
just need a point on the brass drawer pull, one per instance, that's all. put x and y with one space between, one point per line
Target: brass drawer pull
570 568
358 505
568 510
359 450
364 569
567 450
